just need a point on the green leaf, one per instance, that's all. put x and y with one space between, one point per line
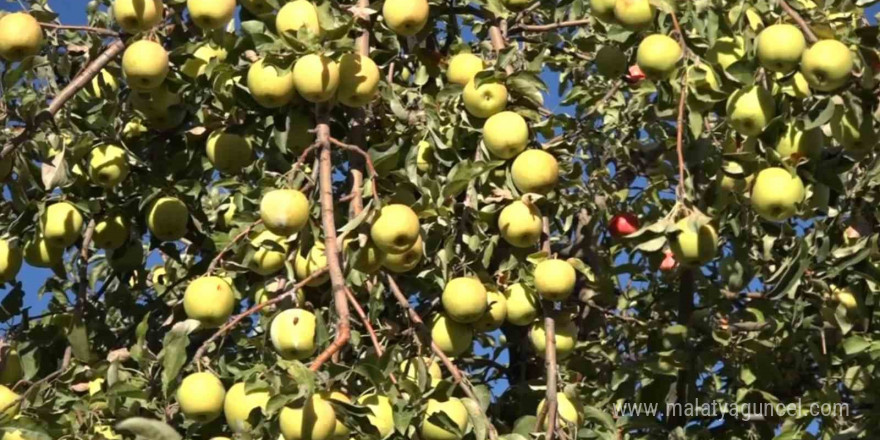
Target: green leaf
478 418
148 429
173 354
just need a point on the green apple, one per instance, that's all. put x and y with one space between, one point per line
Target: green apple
463 67
750 109
521 224
370 258
270 253
145 64
382 417
603 9
522 305
453 409
201 396
777 193
406 260
554 279
726 51
240 402
658 55
61 224
464 299
506 134
797 143
12 369
295 15
196 66
10 404
358 80
406 17
314 420
410 369
20 36
229 152
111 232
693 247
39 252
209 300
566 332
10 263
535 171
567 410
293 334
270 86
316 78
634 14
136 16
108 165
453 338
853 133
780 47
484 101
167 219
284 211
396 229
211 14
610 62
827 65
425 157
496 312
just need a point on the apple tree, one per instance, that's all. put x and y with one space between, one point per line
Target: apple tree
440 220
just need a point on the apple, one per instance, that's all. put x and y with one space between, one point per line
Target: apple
127 259
623 224
358 80
340 431
315 260
12 369
566 333
103 79
521 224
155 104
229 152
20 36
496 312
522 305
108 165
61 224
370 258
464 299
668 263
453 338
846 297
396 229
10 262
603 9
314 420
269 258
382 417
406 260
168 218
750 109
260 8
726 51
270 86
159 276
463 67
658 55
136 16
410 370
554 279
209 300
316 78
693 247
405 17
827 65
293 334
777 193
41 253
568 411
453 409
424 157
610 62
9 403
780 47
145 64
239 403
295 15
284 211
853 133
211 14
634 14
201 397
796 143
196 66
111 232
484 101
506 134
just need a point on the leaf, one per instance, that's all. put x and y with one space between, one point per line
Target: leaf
148 429
605 419
855 344
173 354
11 304
478 418
78 337
54 174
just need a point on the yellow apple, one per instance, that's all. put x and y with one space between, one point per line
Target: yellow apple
796 143
108 165
201 397
495 314
424 157
211 14
382 417
62 224
453 338
554 279
293 334
750 109
127 259
452 408
9 403
726 51
159 276
658 55
239 403
12 370
136 16
603 9
155 104
145 64
314 260
827 65
777 193
10 262
846 297
780 47
20 36
611 62
567 411
295 15
314 420
406 17
396 229
270 86
316 77
39 252
853 133
506 134
104 79
634 14
694 247
535 171
406 260
111 232
464 299
229 152
209 300
463 67
484 101
269 258
520 224
340 432
411 370
260 8
566 333
196 66
370 258
358 80
168 218
284 211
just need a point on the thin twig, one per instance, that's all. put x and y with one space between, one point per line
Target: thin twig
808 31
83 291
236 239
679 136
551 26
370 167
94 30
65 364
380 350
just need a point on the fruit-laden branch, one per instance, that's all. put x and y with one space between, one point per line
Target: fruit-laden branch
369 161
216 261
290 293
68 92
808 31
90 29
424 334
337 280
550 27
65 364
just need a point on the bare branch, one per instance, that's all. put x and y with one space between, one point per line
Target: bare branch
679 136
90 29
369 161
808 31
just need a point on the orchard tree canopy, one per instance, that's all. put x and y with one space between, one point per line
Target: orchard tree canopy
325 219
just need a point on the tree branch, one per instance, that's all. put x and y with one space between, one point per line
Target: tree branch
369 161
551 26
808 31
94 30
551 404
685 309
236 239
679 136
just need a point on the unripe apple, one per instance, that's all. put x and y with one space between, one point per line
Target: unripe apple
196 66
506 134
159 276
603 10
623 224
136 16
658 55
535 171
452 408
111 232
168 218
370 258
726 51
155 104
453 338
270 86
410 370
270 254
750 109
396 229
406 260
108 165
10 263
565 332
127 259
293 334
209 300
495 314
610 62
827 65
424 157
12 370
634 14
9 404
568 411
316 77
41 253
846 297
20 36
211 14
358 80
382 417
316 260
405 17
314 420
796 143
239 403
484 101
229 152
295 15
777 193
62 224
780 47
522 305
284 211
554 279
694 247
853 133
521 224
464 299
463 67
103 79
145 64
340 431
201 397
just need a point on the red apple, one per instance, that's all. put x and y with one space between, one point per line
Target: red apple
668 263
623 224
